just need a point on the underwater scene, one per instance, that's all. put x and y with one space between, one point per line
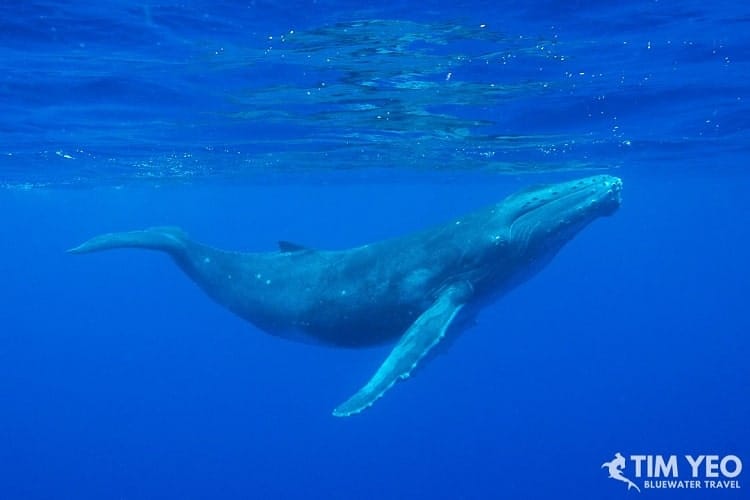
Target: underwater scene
352 250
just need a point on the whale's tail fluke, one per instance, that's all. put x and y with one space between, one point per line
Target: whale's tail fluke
167 239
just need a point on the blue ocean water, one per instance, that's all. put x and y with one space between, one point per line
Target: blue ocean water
334 124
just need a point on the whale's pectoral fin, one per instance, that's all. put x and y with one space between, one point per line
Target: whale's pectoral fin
419 339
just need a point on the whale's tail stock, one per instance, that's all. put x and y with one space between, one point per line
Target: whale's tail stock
172 240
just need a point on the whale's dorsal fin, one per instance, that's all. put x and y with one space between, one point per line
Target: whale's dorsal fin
288 246
419 339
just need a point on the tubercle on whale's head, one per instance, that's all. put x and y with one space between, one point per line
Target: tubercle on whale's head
545 217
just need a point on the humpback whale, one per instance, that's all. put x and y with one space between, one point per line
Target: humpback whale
416 288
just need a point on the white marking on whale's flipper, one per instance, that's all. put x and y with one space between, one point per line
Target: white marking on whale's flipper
419 339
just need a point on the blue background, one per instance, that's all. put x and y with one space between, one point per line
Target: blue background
120 379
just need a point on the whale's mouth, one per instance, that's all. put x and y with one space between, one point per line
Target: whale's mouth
554 213
599 194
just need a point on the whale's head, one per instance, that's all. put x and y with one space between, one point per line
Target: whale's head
540 220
